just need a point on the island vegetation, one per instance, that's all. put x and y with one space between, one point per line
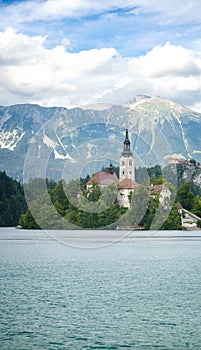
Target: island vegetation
72 205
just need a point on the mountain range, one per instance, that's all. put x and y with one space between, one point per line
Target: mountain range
57 142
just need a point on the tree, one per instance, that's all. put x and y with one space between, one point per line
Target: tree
141 175
27 221
150 212
12 201
59 198
155 171
96 208
73 191
185 196
173 221
94 193
139 204
34 188
193 161
196 209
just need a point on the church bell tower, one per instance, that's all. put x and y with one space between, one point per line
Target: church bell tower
126 162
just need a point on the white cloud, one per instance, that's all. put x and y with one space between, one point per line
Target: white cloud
57 9
34 74
169 13
26 11
167 60
16 48
50 75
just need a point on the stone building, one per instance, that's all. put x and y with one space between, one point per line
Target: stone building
126 182
126 161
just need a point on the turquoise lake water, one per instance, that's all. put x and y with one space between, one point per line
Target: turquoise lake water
140 293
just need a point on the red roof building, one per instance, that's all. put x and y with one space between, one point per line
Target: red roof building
128 184
103 178
163 192
173 161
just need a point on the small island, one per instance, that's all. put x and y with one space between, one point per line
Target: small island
121 197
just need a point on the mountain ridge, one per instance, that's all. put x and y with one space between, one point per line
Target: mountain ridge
159 129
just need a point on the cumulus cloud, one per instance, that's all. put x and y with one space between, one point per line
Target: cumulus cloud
167 60
32 73
50 76
172 71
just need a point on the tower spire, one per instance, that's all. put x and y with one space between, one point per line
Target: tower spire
126 161
126 150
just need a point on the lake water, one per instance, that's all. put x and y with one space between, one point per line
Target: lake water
138 293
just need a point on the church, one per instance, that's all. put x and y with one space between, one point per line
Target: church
126 181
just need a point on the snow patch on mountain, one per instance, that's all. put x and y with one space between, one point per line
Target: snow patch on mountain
48 142
52 145
61 156
9 140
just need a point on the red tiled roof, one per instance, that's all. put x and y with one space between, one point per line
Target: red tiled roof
128 184
175 159
158 188
103 178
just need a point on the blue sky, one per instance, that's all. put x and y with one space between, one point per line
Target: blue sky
61 52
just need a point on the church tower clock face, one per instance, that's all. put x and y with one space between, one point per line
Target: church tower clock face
126 162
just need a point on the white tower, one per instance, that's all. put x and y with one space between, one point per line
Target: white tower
126 161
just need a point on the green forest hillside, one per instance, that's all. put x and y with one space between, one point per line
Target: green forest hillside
12 201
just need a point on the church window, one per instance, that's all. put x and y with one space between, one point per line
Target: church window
130 162
123 163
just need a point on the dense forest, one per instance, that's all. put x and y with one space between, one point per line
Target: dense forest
60 205
12 201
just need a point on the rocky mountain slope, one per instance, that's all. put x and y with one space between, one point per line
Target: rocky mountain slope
73 142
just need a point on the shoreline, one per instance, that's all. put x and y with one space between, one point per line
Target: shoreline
13 233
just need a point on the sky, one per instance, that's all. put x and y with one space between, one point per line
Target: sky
75 52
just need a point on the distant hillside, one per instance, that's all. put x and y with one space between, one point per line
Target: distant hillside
177 173
188 171
67 141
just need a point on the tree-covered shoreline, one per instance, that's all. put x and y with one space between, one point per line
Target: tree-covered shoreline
12 201
73 206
